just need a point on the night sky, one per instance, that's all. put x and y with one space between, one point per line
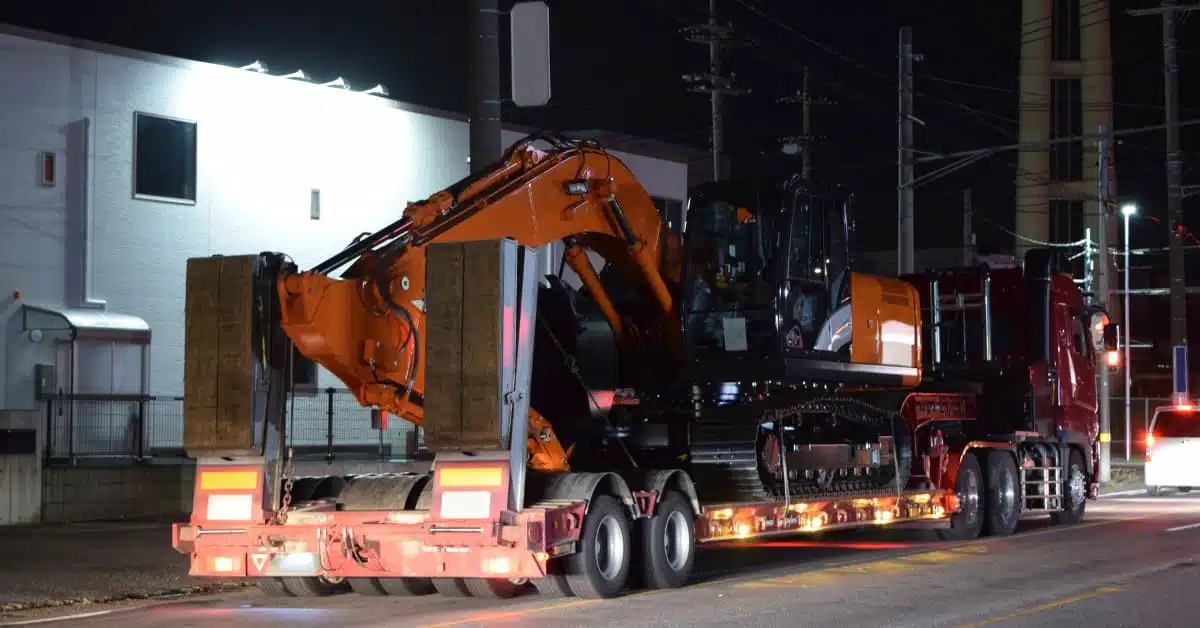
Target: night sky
618 63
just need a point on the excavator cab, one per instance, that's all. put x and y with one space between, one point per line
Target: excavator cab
766 277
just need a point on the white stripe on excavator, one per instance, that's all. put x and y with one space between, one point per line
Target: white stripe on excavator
1184 527
47 620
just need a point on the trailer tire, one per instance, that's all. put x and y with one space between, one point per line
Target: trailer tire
600 566
667 541
494 588
272 587
396 587
451 587
555 584
1002 508
1074 492
967 523
314 586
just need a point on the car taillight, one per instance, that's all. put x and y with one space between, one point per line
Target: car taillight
1149 445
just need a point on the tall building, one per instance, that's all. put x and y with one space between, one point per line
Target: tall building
1065 91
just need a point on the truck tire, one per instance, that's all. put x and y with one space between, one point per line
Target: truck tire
272 587
451 587
494 588
1002 505
1074 492
600 566
967 523
554 585
667 543
315 586
398 587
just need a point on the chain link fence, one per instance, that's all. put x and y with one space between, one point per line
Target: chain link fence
1129 438
328 425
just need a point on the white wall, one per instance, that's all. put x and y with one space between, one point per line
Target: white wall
264 144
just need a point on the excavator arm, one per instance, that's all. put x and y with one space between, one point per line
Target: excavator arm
366 327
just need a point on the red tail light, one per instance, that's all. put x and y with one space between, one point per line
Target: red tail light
1149 445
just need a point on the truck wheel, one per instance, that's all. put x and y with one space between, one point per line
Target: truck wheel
600 566
272 587
1074 492
451 587
967 523
1002 509
668 543
495 588
315 586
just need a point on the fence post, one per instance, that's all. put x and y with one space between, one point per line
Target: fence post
49 446
329 392
140 444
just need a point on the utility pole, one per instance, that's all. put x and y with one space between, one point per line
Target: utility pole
805 141
1178 285
906 156
719 38
1101 295
968 227
486 131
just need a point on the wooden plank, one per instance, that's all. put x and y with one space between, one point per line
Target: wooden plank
482 336
444 301
201 311
235 404
219 356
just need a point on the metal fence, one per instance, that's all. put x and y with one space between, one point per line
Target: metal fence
330 425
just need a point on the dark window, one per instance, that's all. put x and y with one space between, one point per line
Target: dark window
1066 227
672 212
304 373
1066 121
164 158
1067 21
1172 424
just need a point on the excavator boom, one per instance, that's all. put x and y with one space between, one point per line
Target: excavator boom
366 327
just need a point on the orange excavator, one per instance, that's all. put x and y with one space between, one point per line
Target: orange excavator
756 304
365 327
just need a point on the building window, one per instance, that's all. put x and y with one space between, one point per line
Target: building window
671 211
1068 24
1066 121
164 158
1066 226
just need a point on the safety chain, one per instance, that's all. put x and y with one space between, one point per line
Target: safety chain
289 467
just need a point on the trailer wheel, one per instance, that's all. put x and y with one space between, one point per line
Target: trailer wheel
1074 492
315 586
668 543
495 588
967 523
1002 509
398 587
451 587
600 566
554 585
272 587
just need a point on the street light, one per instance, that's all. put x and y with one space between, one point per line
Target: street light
1127 210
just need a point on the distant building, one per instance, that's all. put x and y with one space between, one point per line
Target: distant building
116 166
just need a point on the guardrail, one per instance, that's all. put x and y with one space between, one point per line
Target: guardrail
329 425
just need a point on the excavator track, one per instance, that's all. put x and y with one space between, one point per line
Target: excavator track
727 465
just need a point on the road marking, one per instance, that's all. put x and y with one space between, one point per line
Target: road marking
47 620
1134 491
499 615
1184 527
1041 608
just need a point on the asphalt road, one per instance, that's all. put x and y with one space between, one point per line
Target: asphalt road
1132 563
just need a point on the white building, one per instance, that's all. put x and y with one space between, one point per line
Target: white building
116 166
